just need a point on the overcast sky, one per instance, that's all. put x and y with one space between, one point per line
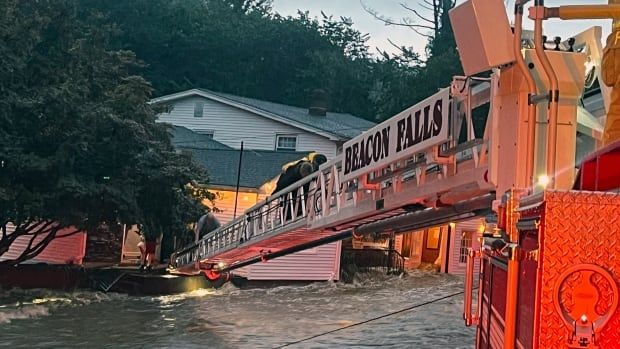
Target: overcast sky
403 36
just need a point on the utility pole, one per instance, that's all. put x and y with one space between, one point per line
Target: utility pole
238 178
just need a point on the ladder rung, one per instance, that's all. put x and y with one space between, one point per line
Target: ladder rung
461 147
398 171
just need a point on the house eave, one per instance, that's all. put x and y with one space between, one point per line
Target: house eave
224 187
268 115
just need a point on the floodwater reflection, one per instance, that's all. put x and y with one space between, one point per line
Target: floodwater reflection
243 318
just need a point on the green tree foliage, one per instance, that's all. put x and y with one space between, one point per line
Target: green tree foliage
79 144
242 47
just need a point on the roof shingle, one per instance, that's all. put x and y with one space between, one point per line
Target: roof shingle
222 161
342 124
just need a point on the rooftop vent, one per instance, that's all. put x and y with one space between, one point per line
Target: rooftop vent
318 103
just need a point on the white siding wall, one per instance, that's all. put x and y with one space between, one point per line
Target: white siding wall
455 266
232 125
316 264
64 250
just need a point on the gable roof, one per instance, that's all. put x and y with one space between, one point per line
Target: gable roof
335 126
222 161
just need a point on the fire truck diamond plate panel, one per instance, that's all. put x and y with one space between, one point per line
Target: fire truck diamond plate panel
579 228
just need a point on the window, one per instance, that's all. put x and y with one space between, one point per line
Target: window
198 109
286 142
433 237
466 239
205 132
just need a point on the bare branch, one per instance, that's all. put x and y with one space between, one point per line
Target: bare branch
77 231
416 13
20 230
34 237
31 252
40 229
388 21
426 7
427 2
413 25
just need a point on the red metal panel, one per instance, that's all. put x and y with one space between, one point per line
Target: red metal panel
485 305
578 228
600 171
498 305
527 292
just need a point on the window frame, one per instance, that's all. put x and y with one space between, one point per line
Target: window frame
201 109
279 136
205 132
463 249
437 243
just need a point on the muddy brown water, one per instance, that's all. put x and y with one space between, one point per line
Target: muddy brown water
243 318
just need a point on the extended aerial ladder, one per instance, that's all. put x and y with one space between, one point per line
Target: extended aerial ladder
411 170
436 173
543 283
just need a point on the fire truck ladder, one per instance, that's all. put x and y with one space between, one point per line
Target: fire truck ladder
446 181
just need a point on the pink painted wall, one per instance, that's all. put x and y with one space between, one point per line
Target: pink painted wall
316 264
61 250
456 265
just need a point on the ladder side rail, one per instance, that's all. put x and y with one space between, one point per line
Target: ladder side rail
333 193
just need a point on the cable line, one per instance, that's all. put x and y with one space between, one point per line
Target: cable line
373 319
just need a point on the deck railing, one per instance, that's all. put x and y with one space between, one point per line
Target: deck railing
390 261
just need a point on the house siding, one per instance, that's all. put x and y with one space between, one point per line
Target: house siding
231 125
455 266
316 264
66 250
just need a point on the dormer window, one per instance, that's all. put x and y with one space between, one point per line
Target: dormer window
198 109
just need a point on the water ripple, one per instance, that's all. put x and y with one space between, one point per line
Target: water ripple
248 318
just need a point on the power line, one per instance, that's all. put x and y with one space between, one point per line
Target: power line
372 319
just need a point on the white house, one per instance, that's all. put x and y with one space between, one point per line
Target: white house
261 125
212 126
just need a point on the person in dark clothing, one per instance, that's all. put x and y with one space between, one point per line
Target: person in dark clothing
295 171
317 160
207 223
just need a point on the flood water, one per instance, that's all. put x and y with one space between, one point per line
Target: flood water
243 318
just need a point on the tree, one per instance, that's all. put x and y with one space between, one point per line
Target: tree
242 47
425 76
427 20
79 144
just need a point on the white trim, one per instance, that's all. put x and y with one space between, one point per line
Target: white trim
199 109
247 108
205 132
284 135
